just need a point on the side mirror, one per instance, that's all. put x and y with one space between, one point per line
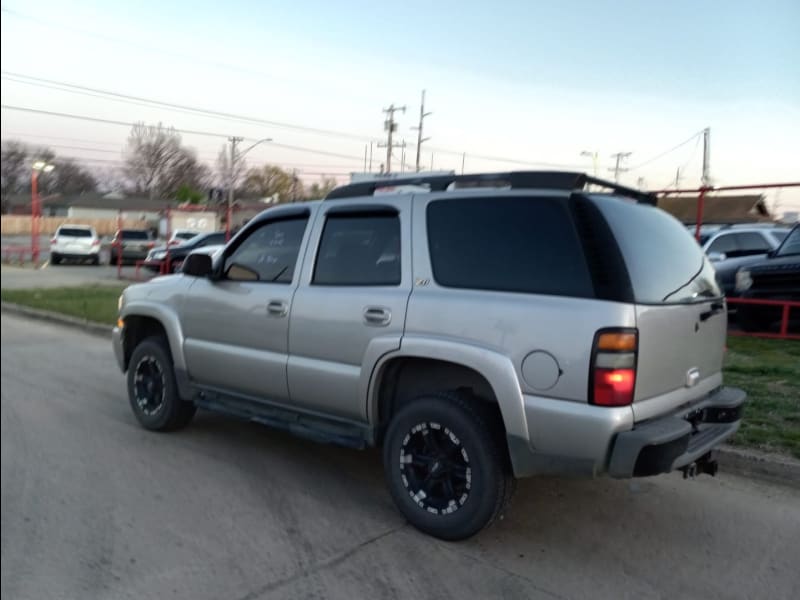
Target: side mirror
716 256
197 265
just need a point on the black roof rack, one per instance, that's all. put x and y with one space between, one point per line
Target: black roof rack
558 180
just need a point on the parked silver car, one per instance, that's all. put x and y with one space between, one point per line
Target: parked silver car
494 326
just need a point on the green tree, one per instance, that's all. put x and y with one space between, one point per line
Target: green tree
321 188
189 195
270 181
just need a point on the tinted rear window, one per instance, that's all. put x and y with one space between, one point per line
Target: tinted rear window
74 232
134 234
214 239
512 244
664 262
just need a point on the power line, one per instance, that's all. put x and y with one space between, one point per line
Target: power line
185 131
662 154
181 107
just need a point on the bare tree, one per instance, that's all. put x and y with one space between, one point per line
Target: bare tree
68 178
14 170
185 171
152 153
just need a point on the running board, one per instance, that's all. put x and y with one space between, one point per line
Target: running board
313 427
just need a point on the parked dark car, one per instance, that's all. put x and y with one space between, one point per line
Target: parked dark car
131 244
177 254
777 277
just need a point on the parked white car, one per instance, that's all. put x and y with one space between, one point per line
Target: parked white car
79 242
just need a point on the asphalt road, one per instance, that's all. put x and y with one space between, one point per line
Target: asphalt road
14 277
95 507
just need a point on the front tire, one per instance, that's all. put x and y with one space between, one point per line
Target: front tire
152 390
446 465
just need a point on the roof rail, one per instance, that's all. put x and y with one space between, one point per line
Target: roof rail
558 180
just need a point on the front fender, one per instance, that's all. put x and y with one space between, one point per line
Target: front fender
168 318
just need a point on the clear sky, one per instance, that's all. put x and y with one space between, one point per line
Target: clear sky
538 82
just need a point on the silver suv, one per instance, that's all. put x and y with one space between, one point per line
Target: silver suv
479 328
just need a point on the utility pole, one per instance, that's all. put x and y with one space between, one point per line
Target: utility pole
418 129
618 168
403 157
390 126
231 184
593 155
707 157
370 157
678 178
463 160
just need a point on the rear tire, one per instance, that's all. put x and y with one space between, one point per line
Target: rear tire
95 260
152 390
55 259
446 466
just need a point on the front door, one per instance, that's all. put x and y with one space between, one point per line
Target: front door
350 307
236 327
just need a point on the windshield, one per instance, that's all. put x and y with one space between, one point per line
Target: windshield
664 262
185 235
791 245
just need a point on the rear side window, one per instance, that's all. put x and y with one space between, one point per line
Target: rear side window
751 242
724 244
512 244
74 232
359 250
134 234
664 262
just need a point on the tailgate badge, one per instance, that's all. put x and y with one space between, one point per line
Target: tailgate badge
692 377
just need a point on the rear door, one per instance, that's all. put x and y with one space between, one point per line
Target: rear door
680 312
350 307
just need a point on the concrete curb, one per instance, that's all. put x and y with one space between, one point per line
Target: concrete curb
774 468
91 327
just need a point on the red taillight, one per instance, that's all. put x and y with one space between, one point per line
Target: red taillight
614 387
613 369
95 242
151 244
54 241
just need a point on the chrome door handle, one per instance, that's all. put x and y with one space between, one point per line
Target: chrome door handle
277 308
377 315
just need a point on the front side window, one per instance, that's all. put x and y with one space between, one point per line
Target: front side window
268 254
359 250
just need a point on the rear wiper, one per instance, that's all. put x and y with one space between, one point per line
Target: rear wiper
716 307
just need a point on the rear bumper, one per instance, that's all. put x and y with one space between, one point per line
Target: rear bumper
664 444
76 252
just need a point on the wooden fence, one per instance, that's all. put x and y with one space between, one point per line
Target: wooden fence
21 224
